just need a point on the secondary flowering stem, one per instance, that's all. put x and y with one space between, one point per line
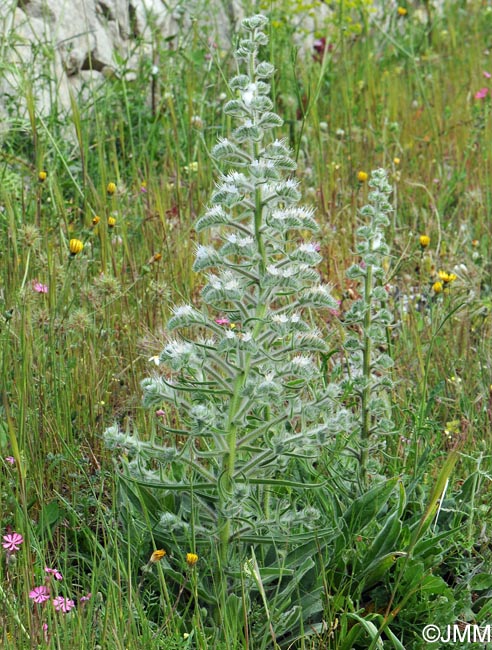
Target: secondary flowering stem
366 372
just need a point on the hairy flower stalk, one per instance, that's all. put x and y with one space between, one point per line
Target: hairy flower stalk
371 315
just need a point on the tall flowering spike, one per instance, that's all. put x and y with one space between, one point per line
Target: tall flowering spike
367 342
242 370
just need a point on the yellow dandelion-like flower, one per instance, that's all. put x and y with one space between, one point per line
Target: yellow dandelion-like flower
191 559
42 176
75 246
424 240
396 161
155 258
402 11
362 177
111 222
437 287
111 188
446 277
157 555
96 220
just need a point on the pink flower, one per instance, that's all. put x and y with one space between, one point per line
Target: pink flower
482 93
222 321
54 572
39 594
160 413
10 459
40 288
12 542
84 599
487 75
63 604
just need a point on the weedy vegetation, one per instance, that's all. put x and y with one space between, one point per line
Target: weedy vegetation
245 338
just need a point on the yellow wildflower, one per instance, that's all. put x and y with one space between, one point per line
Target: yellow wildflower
191 559
402 11
437 287
42 176
424 240
111 222
75 247
446 277
157 556
111 188
362 177
96 220
396 161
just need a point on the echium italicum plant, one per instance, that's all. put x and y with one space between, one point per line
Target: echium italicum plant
369 322
248 405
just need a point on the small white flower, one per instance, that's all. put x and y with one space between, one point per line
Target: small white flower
302 362
280 318
249 94
183 310
155 360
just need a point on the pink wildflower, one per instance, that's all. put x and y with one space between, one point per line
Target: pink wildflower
39 287
40 594
222 321
160 413
482 93
63 604
487 75
10 459
54 572
12 542
84 599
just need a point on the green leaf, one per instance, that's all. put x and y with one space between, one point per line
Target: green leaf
385 541
366 507
369 627
481 582
376 571
50 515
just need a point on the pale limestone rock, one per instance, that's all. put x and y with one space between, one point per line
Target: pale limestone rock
58 47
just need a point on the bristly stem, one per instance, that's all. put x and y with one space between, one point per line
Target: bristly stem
366 373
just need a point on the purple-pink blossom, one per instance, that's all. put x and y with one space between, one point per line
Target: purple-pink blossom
160 413
486 74
222 321
10 459
84 599
482 93
63 604
54 572
40 594
12 542
38 287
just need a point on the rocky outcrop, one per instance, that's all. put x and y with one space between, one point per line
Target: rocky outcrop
50 48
